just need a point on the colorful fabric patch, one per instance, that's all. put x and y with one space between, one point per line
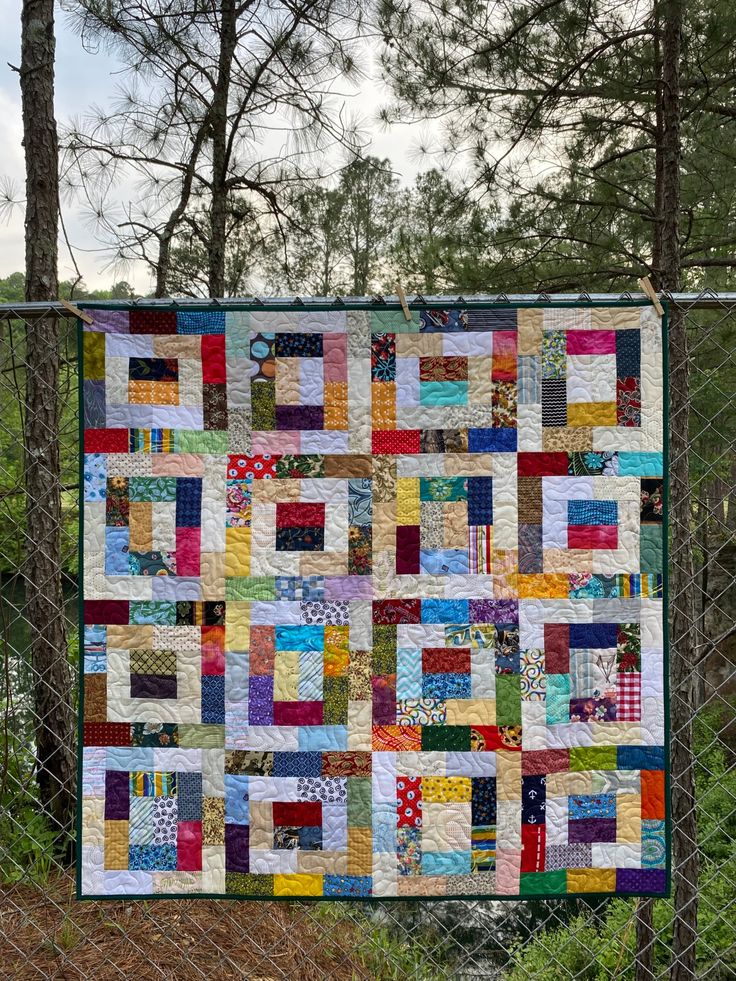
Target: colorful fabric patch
373 606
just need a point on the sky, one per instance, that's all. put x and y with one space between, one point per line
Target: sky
82 78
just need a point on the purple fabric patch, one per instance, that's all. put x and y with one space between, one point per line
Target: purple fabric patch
641 880
94 404
117 795
153 686
591 829
494 611
384 700
348 588
297 417
236 847
260 700
110 321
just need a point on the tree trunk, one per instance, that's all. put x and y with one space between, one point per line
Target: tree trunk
54 723
658 155
682 641
219 116
644 940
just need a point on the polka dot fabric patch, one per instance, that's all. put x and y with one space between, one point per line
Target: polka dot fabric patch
373 607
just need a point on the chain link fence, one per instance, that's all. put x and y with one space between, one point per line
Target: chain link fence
46 934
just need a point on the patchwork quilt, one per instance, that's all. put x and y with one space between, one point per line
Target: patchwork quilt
373 604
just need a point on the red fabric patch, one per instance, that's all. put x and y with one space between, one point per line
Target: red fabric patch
106 611
152 322
628 697
240 467
188 548
533 838
397 611
397 441
189 846
592 536
407 550
214 371
106 441
542 464
298 713
297 814
409 802
107 734
493 738
300 515
539 761
556 648
446 660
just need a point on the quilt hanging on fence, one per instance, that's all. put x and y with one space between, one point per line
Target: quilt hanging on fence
373 607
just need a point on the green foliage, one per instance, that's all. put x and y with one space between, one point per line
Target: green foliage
338 237
28 846
386 955
555 108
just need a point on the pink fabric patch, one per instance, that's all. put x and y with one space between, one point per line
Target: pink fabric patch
287 441
189 846
504 341
335 357
187 551
592 536
591 342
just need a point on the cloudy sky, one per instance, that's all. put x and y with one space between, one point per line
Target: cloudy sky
82 78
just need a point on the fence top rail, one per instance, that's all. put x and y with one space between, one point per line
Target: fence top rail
705 299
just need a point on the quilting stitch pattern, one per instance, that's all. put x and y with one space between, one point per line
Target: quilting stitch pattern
373 607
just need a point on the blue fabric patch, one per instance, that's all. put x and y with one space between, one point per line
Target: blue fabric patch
581 806
592 512
445 611
446 863
480 500
322 739
116 551
494 440
297 764
200 322
443 393
593 635
347 885
408 673
213 699
444 562
188 502
443 686
628 353
640 464
152 858
640 757
300 638
236 799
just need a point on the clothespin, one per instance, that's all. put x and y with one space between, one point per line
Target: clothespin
645 285
76 311
402 300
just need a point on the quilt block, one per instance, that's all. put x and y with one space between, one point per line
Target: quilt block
373 607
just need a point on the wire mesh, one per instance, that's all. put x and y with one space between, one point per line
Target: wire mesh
45 933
